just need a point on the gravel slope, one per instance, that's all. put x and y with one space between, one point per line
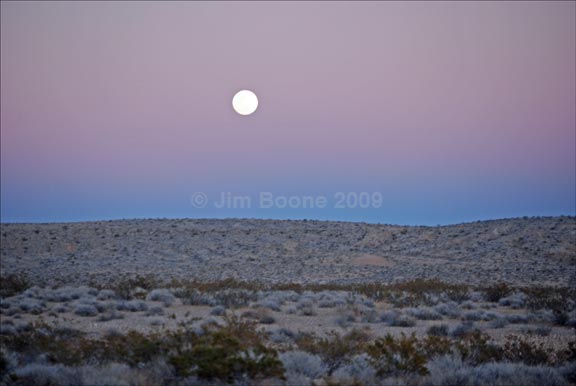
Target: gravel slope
523 251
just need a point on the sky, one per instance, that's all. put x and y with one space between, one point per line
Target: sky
389 112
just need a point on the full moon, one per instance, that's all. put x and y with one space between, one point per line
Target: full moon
245 102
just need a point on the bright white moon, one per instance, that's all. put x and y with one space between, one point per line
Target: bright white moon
245 102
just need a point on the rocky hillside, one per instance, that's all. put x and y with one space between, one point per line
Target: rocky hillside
523 251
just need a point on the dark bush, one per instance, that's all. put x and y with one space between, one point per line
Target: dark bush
13 284
401 356
496 292
438 330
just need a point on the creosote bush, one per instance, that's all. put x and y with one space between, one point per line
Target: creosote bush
496 292
13 284
391 357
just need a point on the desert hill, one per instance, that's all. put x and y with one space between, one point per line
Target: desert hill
521 251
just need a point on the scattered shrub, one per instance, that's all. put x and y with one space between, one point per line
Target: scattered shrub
334 349
132 305
463 329
271 304
469 305
345 319
499 323
13 284
438 330
496 292
496 374
401 356
424 313
303 363
473 316
155 311
515 300
106 295
110 315
86 310
218 311
161 295
358 370
306 308
517 319
32 306
282 335
396 319
126 287
449 309
517 349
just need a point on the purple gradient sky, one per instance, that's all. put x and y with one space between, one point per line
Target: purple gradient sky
455 111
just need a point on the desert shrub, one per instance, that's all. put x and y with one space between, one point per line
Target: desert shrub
197 298
395 319
476 347
106 294
438 330
497 374
232 352
424 313
161 295
218 311
550 298
517 319
496 292
400 356
262 315
86 310
60 309
433 346
369 316
368 303
358 370
13 284
334 349
104 306
44 374
7 329
449 309
439 366
125 286
306 308
110 315
330 301
155 311
463 329
271 304
66 294
229 298
421 291
131 305
303 363
281 335
469 305
473 316
500 322
517 349
32 306
568 371
515 300
111 374
345 318
267 319
542 331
